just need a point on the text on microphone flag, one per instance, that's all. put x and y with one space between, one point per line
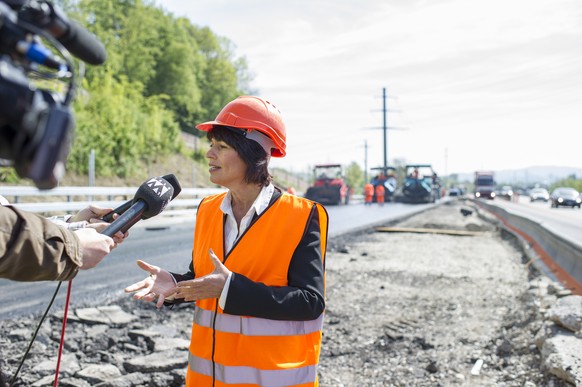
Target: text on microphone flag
158 186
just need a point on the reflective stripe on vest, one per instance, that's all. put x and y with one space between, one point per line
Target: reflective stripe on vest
252 326
247 375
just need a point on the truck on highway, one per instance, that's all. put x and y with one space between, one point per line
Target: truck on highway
484 185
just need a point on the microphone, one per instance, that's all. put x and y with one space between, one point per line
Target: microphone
83 44
170 178
151 198
75 38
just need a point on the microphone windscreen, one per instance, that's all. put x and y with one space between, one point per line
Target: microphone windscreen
83 44
156 193
170 178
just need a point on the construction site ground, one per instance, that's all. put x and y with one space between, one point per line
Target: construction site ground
439 299
412 307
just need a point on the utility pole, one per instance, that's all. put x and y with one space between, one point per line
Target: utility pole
446 161
365 161
91 171
385 129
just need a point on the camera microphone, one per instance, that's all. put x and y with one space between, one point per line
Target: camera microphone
151 199
75 38
170 178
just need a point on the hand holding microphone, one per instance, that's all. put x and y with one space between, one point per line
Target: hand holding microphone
151 198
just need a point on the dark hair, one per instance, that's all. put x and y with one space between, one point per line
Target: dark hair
251 152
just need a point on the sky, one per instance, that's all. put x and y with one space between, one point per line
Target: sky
470 85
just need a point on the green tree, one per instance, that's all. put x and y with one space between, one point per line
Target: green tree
355 176
219 81
135 128
570 181
178 74
162 75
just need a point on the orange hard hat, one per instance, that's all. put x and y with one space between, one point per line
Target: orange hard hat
253 113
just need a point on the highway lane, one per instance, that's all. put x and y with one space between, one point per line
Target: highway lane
345 219
564 221
166 242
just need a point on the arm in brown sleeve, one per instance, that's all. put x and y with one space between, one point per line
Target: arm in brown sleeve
33 248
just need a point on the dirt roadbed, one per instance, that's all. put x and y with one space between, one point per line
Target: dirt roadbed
431 309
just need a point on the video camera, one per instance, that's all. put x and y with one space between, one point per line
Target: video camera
37 125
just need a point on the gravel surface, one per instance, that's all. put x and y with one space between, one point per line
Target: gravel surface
404 308
427 309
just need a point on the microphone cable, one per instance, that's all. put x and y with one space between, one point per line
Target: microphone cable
13 380
73 78
66 312
61 341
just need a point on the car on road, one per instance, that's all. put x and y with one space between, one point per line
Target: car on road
565 196
539 194
506 192
454 191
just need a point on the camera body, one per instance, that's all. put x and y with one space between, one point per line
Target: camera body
36 128
36 125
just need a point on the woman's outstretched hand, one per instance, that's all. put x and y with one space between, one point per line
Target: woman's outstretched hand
209 286
159 285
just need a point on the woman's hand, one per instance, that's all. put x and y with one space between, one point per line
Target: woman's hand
209 286
160 284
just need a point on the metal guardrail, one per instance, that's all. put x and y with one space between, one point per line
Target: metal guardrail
188 197
556 256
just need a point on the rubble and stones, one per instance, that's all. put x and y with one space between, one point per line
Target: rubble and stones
403 309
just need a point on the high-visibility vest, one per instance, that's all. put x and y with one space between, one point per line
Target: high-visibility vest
248 351
369 189
380 190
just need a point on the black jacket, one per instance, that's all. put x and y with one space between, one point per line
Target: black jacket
302 299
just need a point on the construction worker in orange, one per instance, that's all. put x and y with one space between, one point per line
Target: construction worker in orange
368 194
380 191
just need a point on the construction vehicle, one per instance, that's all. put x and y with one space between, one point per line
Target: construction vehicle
484 185
421 185
329 185
385 177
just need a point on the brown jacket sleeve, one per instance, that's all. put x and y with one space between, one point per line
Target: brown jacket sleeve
33 248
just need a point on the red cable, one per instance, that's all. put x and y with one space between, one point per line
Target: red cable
62 342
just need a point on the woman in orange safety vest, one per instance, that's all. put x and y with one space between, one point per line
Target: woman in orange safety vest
257 273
